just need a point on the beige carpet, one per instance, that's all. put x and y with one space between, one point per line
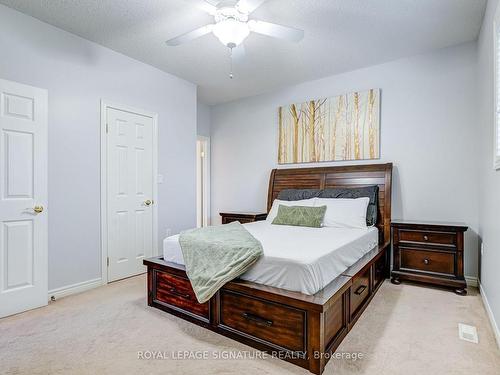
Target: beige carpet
407 329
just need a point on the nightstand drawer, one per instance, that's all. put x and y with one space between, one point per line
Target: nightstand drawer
427 261
428 237
230 219
242 217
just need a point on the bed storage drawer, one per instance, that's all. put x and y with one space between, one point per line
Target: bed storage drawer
427 260
379 271
176 292
278 325
360 291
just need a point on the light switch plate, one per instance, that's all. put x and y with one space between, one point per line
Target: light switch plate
160 179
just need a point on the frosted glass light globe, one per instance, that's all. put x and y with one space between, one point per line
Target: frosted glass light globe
231 32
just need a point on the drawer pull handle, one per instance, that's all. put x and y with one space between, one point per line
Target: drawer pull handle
179 294
426 261
360 290
426 238
258 319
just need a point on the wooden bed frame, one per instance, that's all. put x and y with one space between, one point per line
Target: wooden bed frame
298 328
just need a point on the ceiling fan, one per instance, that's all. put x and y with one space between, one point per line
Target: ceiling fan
232 25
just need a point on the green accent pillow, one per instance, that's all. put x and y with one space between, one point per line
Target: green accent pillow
303 216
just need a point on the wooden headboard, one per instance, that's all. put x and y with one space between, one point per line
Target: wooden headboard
345 176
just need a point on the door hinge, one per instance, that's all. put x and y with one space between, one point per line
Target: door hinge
107 260
106 128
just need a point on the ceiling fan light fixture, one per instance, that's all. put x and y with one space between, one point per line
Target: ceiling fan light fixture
231 32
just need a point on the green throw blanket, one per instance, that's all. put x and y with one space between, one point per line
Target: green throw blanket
215 255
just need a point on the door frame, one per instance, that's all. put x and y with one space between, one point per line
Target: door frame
206 186
105 104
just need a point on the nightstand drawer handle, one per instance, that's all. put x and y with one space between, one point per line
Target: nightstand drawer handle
360 290
426 238
426 261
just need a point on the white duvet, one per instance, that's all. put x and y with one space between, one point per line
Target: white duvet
300 259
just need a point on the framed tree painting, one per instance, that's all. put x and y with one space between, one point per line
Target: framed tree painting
344 127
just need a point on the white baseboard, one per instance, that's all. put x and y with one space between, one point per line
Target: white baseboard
75 288
471 281
493 323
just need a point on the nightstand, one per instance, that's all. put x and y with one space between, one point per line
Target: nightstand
242 217
430 253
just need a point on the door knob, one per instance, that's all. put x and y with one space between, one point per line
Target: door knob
148 202
38 209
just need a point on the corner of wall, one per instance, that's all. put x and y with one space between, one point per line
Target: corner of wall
489 180
491 317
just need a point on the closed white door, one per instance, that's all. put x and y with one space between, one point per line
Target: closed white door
129 192
23 197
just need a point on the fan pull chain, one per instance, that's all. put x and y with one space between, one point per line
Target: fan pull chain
231 63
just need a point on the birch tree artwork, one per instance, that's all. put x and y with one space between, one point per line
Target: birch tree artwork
345 127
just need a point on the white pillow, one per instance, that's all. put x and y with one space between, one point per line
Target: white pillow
344 212
273 212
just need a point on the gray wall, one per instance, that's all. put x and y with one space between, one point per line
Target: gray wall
489 205
427 129
77 74
203 119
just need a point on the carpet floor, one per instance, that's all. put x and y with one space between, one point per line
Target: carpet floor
407 329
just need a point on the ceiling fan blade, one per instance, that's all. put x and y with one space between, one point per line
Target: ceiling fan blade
207 6
238 53
248 6
189 36
276 31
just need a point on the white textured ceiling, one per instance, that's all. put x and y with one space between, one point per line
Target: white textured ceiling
340 35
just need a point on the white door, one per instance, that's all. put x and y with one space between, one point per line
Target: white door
23 197
129 192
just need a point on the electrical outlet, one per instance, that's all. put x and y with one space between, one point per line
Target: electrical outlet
160 179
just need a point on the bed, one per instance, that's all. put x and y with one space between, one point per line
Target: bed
296 305
285 264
